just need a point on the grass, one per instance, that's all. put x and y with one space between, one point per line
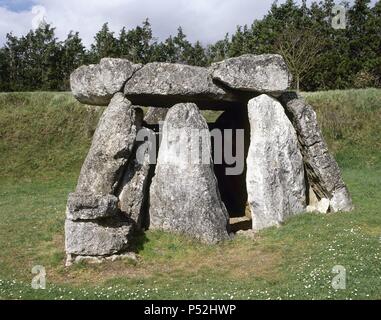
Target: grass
44 138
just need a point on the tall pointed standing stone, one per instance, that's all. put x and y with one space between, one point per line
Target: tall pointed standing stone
184 194
275 173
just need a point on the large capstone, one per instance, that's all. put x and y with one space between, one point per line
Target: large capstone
323 172
267 73
275 174
165 84
97 238
184 195
96 84
111 148
91 207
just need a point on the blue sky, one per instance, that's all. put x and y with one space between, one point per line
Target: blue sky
205 20
17 5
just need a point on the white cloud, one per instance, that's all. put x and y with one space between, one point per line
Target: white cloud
16 22
205 20
39 16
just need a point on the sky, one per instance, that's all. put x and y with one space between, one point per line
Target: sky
204 20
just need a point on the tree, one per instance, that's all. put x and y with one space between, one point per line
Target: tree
73 55
175 49
299 48
218 51
34 60
4 70
105 44
137 45
197 56
241 42
319 56
364 43
375 42
182 47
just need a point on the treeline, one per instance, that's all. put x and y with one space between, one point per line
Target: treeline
319 56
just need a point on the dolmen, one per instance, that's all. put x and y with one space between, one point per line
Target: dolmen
163 170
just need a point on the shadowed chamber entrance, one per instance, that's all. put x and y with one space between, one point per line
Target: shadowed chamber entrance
233 187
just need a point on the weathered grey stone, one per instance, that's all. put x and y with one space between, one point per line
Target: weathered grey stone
184 196
134 191
70 259
321 206
165 84
322 170
275 174
267 73
341 200
111 148
91 207
315 204
155 115
96 84
97 238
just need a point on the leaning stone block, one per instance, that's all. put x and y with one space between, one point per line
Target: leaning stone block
184 195
96 84
97 238
91 207
275 173
267 73
111 148
323 172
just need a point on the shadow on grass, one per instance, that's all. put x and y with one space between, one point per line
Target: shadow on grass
138 241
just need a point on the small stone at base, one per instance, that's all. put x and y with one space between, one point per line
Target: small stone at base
71 259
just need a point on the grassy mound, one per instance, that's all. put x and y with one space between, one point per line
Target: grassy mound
44 134
48 134
44 138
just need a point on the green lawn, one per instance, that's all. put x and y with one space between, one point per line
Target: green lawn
43 140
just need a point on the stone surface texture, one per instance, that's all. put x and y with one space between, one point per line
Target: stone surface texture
111 148
155 115
275 174
96 84
90 207
160 84
97 238
323 172
184 195
134 192
267 73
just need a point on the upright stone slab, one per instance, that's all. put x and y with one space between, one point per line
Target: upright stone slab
267 73
184 195
275 174
111 148
96 84
134 188
323 171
